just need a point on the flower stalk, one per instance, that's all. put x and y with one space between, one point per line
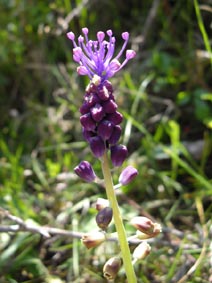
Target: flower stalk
125 251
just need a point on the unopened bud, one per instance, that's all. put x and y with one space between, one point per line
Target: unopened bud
147 228
101 203
111 268
118 154
104 217
141 251
85 171
127 175
93 239
97 146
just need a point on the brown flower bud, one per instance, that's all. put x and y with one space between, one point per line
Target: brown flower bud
146 226
93 239
104 217
141 251
101 203
111 268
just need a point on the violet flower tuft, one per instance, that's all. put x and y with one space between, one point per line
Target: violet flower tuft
97 56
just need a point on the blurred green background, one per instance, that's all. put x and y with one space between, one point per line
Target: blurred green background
165 95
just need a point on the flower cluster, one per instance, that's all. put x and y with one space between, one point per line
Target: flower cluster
100 119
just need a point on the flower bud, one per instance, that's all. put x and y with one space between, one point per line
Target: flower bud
108 86
104 217
87 134
146 226
93 239
101 203
97 112
87 122
127 175
118 154
91 99
105 129
85 171
103 94
84 109
97 146
116 118
111 268
141 251
115 136
110 106
92 87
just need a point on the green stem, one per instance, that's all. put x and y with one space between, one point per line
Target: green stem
125 251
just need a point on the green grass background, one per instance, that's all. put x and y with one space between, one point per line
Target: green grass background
165 96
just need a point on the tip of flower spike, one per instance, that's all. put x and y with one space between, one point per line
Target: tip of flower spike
109 32
130 54
125 35
85 30
82 71
77 54
80 39
71 35
98 55
100 36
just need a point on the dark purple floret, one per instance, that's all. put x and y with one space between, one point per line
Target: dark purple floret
87 122
91 99
97 112
87 134
85 171
116 118
115 136
104 217
103 94
108 86
97 146
118 154
105 129
110 106
84 109
91 88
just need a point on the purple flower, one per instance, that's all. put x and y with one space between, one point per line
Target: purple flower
115 136
127 175
105 129
96 57
118 154
104 217
110 106
116 118
97 112
87 122
99 116
85 171
97 146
